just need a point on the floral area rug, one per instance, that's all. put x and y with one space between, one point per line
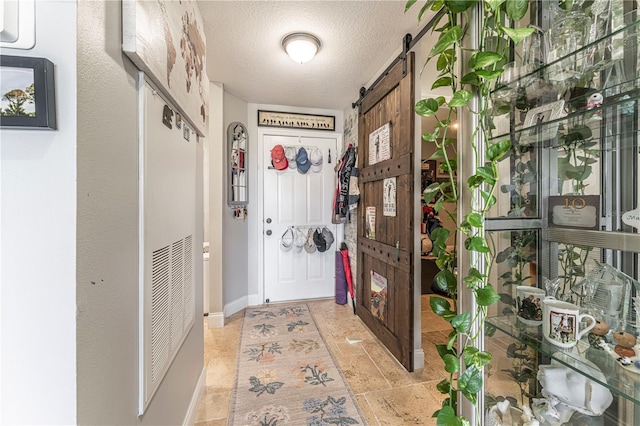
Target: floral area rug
286 374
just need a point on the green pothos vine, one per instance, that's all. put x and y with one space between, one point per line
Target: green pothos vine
463 361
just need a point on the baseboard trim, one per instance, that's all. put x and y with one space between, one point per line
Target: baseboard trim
254 300
418 359
196 398
215 320
235 306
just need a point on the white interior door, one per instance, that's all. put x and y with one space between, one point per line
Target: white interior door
304 201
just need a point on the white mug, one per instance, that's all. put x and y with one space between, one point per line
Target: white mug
561 322
529 304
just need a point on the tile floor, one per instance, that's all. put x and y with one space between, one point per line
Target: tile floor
386 392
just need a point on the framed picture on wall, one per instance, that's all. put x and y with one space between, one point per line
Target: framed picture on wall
28 93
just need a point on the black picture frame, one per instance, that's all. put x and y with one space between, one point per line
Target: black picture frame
296 120
42 99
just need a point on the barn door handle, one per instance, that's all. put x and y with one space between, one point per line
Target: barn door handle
397 251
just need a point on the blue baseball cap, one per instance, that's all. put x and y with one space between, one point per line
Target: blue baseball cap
302 160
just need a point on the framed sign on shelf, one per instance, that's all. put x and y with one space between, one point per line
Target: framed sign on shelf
293 120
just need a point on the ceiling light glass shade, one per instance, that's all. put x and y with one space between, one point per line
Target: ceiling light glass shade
301 47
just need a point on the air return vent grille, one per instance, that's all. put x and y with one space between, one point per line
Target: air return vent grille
160 297
172 302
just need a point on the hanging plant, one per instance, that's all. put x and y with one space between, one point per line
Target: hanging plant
463 362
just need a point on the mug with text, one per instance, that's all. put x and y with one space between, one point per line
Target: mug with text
561 322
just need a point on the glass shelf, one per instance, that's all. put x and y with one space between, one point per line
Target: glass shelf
526 135
620 381
554 71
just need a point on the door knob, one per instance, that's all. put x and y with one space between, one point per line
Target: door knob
269 232
268 220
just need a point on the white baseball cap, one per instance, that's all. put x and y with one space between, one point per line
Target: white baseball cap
290 153
299 240
286 241
315 156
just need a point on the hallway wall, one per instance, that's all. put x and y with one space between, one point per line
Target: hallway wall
38 229
235 232
108 239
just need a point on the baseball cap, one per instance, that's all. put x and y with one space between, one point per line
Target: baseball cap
278 159
309 245
290 153
315 156
286 241
302 160
318 239
299 240
328 237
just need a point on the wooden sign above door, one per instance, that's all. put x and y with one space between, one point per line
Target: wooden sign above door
296 121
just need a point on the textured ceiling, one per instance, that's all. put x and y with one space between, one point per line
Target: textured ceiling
358 38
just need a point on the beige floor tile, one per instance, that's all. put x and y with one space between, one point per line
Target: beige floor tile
409 405
221 422
362 374
350 349
366 410
214 407
221 375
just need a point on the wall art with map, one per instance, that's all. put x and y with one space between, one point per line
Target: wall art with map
166 40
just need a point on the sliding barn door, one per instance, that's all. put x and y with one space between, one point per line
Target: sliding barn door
385 225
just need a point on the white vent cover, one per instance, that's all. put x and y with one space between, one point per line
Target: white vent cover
167 229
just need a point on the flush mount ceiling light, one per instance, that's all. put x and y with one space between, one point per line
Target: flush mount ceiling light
301 47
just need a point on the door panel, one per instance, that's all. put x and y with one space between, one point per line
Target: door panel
303 201
390 255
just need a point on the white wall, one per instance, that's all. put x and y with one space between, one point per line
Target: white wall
38 228
235 232
214 172
107 238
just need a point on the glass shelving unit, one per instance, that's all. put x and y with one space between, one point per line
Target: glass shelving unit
565 204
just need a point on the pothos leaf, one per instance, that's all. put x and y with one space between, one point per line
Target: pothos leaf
459 6
497 150
447 417
484 59
443 350
476 244
516 9
441 82
427 107
460 98
409 4
444 386
451 363
474 219
461 322
494 4
439 305
471 380
486 296
446 40
517 34
430 192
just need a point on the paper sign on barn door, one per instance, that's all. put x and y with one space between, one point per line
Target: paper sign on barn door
389 197
380 144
